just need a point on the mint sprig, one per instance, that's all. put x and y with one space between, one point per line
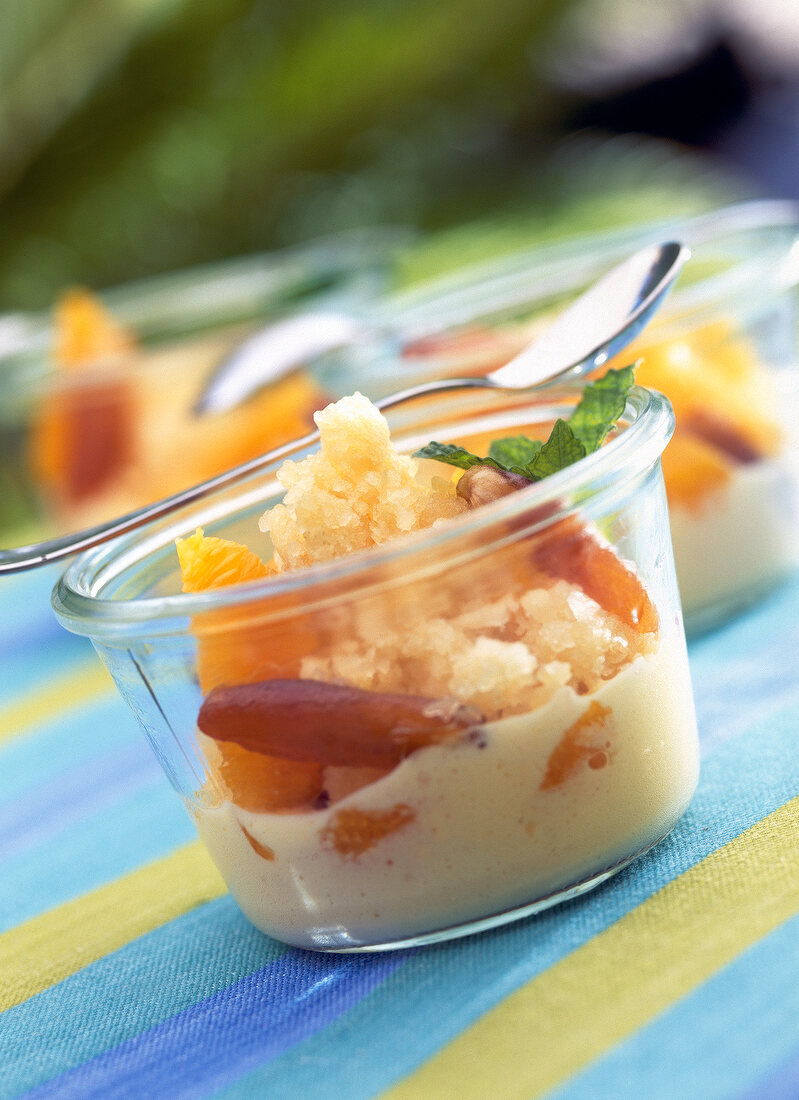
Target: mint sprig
455 456
597 413
600 407
516 450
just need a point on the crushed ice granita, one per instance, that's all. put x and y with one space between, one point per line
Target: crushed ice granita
430 751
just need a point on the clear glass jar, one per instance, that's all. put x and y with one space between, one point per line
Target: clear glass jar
83 441
462 727
723 348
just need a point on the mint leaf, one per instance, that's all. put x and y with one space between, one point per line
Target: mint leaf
455 456
515 451
560 450
600 407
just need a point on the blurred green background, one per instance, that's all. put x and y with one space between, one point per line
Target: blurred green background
138 136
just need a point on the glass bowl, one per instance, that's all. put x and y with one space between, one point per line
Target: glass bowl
723 348
461 727
89 434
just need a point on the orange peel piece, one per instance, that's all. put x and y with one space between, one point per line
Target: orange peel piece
263 850
579 746
351 831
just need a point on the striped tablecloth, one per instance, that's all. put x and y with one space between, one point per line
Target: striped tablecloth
126 969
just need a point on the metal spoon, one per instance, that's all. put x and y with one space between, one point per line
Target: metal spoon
594 328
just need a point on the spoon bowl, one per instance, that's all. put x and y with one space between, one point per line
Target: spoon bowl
595 327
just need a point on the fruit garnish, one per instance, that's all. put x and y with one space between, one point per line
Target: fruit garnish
585 741
82 438
715 368
597 413
85 332
714 428
351 832
693 470
210 562
260 783
484 484
239 646
84 433
310 720
263 850
572 553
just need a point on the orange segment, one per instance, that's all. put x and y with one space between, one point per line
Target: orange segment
228 652
235 646
210 562
263 784
352 832
584 742
85 332
714 369
572 553
179 448
693 471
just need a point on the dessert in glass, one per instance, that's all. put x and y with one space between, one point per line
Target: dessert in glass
405 700
723 349
100 396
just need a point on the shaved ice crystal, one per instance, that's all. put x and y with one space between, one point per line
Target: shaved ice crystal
356 492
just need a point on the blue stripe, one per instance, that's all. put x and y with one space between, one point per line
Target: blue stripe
144 826
217 1040
25 669
46 811
747 669
716 1042
128 992
25 610
69 741
782 1083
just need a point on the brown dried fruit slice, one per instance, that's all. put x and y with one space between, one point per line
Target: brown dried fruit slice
720 432
579 744
83 436
308 720
572 553
351 832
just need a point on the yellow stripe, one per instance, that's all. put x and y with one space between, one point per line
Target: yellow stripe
616 983
62 692
49 948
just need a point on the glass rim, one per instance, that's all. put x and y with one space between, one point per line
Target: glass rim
649 422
